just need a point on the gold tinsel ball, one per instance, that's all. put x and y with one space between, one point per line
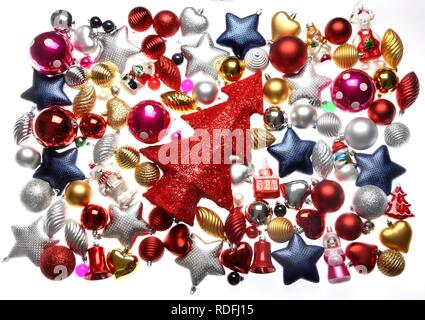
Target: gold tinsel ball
346 56
275 90
127 157
78 193
103 74
210 222
280 229
231 69
146 174
391 263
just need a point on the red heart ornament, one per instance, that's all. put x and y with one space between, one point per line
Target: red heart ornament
177 240
312 222
362 256
238 259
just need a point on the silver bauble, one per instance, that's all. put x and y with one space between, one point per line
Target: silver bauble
205 92
322 159
259 213
85 41
396 134
76 77
295 193
55 217
22 129
346 172
361 133
104 149
256 59
28 157
61 20
303 116
275 118
76 238
329 124
37 195
193 21
370 202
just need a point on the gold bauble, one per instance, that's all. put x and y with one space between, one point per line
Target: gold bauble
103 74
179 101
391 263
146 174
117 111
284 24
210 222
261 138
280 229
78 193
386 80
231 68
392 48
346 56
397 236
276 90
127 157
84 101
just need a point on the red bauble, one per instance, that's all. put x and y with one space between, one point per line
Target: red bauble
94 217
349 226
235 225
338 30
166 23
288 54
407 91
168 73
153 46
140 19
238 259
160 220
57 262
154 84
177 240
151 249
382 112
252 232
312 222
362 256
93 126
327 196
55 127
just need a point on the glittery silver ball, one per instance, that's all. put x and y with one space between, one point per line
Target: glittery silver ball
361 133
205 92
396 134
370 202
303 116
275 118
37 195
329 124
256 59
61 20
28 157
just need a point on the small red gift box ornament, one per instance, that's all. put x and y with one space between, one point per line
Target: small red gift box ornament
266 184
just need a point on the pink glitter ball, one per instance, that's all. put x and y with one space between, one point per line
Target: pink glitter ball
187 85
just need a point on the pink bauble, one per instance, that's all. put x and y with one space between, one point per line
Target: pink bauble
86 62
51 53
353 90
187 85
149 121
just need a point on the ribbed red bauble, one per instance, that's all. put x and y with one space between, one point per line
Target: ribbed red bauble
382 112
140 19
151 249
327 196
235 225
57 262
349 226
288 54
94 217
166 23
338 30
153 46
93 126
160 220
177 240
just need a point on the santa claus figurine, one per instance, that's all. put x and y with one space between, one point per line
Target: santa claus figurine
335 257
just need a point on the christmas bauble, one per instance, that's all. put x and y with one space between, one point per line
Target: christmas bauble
28 157
127 157
177 241
231 69
177 58
279 209
256 59
93 126
288 54
327 196
275 118
396 134
346 56
37 195
205 92
280 229
146 174
151 249
329 124
381 111
386 80
252 232
303 116
258 213
94 217
234 278
370 202
361 133
140 19
57 262
276 90
78 193
153 46
407 91
349 226
235 225
160 220
391 263
61 20
166 23
338 30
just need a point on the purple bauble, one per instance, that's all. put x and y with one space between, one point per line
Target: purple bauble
81 270
353 90
51 53
149 121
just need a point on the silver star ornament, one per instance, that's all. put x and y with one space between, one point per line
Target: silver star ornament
203 56
307 84
202 260
30 242
116 47
126 225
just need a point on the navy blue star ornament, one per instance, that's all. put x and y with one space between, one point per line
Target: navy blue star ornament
377 169
59 168
47 91
298 260
293 154
242 34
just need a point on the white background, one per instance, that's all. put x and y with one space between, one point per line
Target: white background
22 20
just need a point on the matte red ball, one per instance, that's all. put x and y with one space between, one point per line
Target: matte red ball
154 83
55 127
349 226
57 262
177 240
94 217
338 30
160 220
382 112
140 19
93 125
327 196
151 249
166 23
153 46
252 232
288 54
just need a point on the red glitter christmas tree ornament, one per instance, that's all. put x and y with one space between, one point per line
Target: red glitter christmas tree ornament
398 207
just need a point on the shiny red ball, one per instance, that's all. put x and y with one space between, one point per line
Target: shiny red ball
349 226
57 262
252 232
382 112
55 127
151 249
338 30
177 240
160 220
153 46
288 54
93 126
140 19
94 217
154 84
166 23
327 196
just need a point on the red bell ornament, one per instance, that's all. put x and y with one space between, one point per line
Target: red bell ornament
327 196
262 257
98 267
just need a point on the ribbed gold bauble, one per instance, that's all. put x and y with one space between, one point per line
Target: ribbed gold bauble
146 174
210 222
84 101
179 101
280 229
391 263
392 48
127 157
346 56
103 74
261 138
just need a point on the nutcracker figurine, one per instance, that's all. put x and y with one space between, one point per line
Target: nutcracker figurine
344 162
317 44
334 257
